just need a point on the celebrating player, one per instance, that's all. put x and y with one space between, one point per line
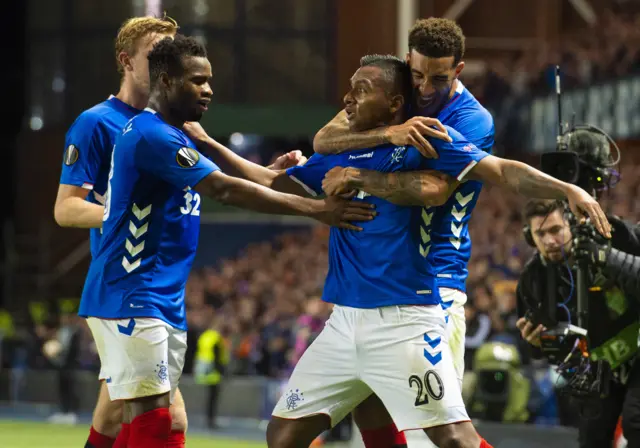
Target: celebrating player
134 292
83 183
424 189
436 48
371 343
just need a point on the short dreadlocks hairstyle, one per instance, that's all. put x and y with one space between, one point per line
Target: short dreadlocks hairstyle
166 56
437 38
396 72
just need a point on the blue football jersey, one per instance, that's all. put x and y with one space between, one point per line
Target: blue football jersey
385 263
88 145
450 246
151 224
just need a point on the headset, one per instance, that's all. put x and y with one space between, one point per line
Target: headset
580 159
566 215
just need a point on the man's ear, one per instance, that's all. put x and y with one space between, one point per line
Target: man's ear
165 80
125 61
397 103
459 68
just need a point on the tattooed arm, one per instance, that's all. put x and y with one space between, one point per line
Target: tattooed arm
426 188
521 178
336 137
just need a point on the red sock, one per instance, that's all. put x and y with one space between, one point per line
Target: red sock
97 440
151 429
484 443
176 439
385 437
122 441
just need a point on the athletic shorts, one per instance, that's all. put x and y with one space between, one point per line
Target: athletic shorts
140 357
453 302
399 353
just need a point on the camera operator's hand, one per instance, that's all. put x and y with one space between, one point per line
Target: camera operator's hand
529 332
588 245
581 202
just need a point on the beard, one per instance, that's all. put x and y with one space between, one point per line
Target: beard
431 105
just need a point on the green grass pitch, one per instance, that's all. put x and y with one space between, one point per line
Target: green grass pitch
20 434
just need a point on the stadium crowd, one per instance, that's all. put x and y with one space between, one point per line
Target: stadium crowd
266 301
608 51
271 313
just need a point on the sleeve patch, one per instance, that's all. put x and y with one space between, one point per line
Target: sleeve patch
187 157
71 155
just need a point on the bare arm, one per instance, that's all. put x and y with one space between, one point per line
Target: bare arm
425 188
336 137
241 193
73 210
238 166
521 178
235 165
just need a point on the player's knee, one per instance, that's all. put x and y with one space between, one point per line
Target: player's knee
278 435
457 435
179 420
142 405
107 416
299 433
371 414
282 433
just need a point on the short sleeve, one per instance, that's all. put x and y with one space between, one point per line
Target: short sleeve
85 144
310 175
457 158
172 159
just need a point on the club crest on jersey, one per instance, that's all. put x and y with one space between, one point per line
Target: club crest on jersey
187 157
398 154
71 155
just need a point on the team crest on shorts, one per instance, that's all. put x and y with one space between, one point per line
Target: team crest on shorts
187 157
71 155
162 371
293 399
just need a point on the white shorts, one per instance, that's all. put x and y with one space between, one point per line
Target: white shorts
399 353
140 357
453 302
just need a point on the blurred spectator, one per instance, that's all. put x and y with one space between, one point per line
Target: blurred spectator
63 349
211 360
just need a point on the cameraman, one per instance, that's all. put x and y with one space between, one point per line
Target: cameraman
613 294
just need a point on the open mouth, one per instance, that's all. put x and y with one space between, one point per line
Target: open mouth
425 101
350 114
204 104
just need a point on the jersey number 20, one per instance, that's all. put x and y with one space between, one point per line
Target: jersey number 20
192 204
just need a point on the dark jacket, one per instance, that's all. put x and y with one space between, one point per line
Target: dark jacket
614 293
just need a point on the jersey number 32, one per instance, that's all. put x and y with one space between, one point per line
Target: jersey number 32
192 204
